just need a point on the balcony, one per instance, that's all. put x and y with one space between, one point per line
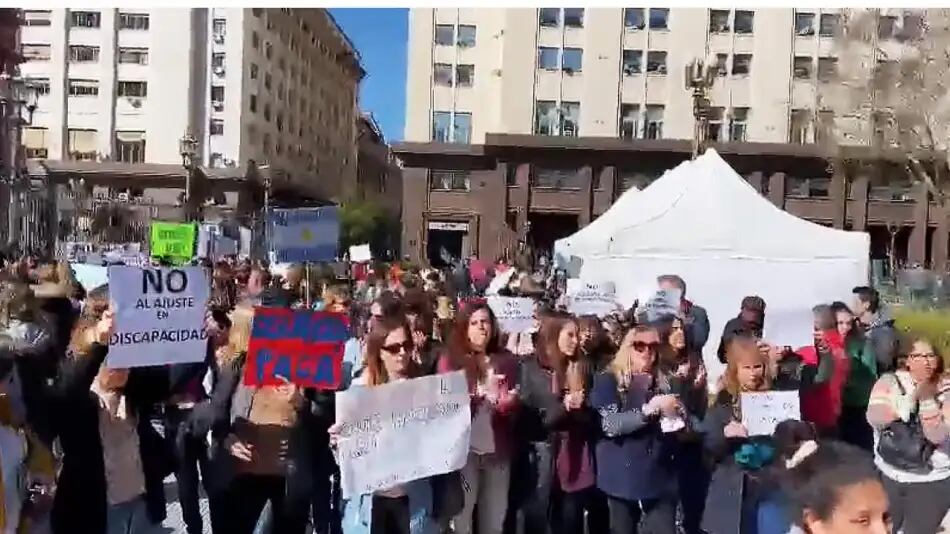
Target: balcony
449 181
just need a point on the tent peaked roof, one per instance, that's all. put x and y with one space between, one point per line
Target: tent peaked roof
703 208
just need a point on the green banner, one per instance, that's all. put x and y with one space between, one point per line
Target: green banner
175 241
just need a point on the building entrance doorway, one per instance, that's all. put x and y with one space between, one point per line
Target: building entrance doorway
446 243
546 228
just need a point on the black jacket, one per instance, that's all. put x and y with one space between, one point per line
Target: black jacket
81 494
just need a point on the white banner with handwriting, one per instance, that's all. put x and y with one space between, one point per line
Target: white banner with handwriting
763 411
403 431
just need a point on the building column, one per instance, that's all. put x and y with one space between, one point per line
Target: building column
755 180
938 249
839 200
585 174
859 193
777 189
415 195
917 245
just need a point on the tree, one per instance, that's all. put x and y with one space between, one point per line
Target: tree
894 76
365 222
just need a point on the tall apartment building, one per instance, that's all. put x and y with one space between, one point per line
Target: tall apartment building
619 72
277 86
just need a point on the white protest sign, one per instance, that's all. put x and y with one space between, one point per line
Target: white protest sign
403 431
360 253
159 315
661 304
591 298
792 328
514 314
762 411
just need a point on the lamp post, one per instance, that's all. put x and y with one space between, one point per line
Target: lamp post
18 102
699 78
188 148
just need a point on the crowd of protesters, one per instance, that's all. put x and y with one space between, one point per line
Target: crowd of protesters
582 424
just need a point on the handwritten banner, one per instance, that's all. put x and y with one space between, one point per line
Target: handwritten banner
591 298
761 412
298 346
514 314
175 241
430 416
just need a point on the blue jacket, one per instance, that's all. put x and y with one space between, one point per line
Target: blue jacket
358 512
634 458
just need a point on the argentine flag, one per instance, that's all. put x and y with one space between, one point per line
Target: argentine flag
305 234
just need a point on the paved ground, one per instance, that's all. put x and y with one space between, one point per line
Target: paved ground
174 523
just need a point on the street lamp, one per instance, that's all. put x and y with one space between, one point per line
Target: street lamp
699 78
18 100
188 148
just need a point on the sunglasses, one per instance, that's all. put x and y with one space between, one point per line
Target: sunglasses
396 347
922 355
643 346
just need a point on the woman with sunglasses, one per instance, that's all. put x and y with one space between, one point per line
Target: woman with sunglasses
406 508
915 397
492 374
634 456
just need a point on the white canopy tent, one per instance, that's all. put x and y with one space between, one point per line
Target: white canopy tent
587 238
705 223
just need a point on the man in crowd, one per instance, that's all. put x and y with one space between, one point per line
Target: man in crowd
694 317
749 322
878 327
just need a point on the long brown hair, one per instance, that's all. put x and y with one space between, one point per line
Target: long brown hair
549 352
375 369
460 350
96 304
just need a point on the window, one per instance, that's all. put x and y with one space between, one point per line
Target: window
217 127
267 81
217 93
255 40
572 59
132 89
83 54
804 24
279 120
254 71
133 21
462 131
35 17
829 25
441 126
737 128
555 177
35 143
41 85
257 12
445 34
573 17
130 147
466 36
741 64
268 50
82 144
654 122
722 64
217 60
465 75
84 19
632 62
629 121
83 87
656 62
570 118
718 20
440 180
744 21
886 27
253 104
267 114
442 74
827 68
549 17
714 124
802 67
219 29
36 52
137 56
800 126
545 117
633 18
659 18
547 58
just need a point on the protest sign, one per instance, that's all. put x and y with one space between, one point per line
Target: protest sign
762 411
514 314
591 298
298 346
360 253
305 234
159 316
790 328
659 304
175 241
90 276
428 419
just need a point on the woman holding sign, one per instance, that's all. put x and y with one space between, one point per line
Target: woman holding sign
406 508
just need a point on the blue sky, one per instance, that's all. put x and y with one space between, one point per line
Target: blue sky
380 35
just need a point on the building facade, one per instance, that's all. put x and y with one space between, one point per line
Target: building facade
619 72
274 86
491 200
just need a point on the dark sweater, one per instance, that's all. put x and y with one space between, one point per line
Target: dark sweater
634 458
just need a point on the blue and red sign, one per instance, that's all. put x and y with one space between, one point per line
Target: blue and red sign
298 346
